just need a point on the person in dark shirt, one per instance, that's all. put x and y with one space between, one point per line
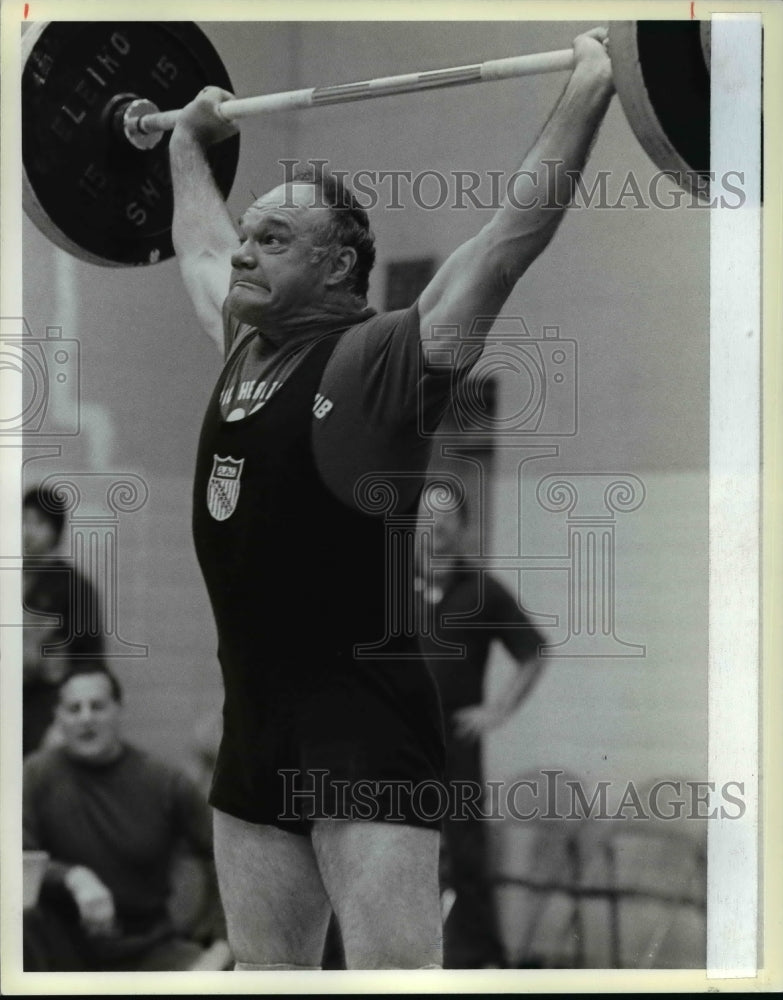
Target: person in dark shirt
313 425
72 630
111 818
471 610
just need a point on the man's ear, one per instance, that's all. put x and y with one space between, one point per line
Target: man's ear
342 261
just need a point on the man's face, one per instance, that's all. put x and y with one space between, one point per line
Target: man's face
89 718
276 273
40 535
448 534
448 531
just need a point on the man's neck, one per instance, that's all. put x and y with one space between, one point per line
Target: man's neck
331 313
111 754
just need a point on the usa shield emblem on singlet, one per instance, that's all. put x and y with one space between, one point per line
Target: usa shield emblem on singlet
223 486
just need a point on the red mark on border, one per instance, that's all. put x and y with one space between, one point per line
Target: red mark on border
26 9
692 9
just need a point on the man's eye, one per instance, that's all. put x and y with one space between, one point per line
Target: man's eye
271 240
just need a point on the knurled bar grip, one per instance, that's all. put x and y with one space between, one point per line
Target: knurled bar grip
406 83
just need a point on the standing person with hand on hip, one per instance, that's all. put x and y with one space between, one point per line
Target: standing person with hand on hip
470 611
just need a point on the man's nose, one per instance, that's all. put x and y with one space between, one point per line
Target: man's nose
242 258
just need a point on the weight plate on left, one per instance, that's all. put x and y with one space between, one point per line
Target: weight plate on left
85 187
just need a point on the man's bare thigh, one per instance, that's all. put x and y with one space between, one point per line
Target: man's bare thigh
276 907
382 880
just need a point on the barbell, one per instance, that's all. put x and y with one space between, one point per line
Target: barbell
98 99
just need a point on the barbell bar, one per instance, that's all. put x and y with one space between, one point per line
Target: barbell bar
142 123
98 99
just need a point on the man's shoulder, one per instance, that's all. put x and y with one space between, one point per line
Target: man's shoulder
50 582
46 570
144 760
55 562
387 320
379 346
494 585
44 763
463 586
469 584
155 770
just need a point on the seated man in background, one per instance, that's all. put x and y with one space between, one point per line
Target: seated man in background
51 587
470 610
111 818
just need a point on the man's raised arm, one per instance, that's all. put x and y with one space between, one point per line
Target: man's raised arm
202 231
478 277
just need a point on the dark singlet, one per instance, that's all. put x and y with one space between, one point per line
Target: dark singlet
298 579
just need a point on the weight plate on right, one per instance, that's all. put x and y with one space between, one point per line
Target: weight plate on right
663 83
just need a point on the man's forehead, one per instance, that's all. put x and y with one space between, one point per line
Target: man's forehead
289 198
86 686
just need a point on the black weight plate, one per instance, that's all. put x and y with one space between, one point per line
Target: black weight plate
86 187
682 102
678 85
663 84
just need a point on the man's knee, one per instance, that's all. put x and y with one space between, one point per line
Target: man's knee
382 879
403 951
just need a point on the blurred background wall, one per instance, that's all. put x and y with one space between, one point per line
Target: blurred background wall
628 285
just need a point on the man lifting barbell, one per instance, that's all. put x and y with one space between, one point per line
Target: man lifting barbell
322 747
96 176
